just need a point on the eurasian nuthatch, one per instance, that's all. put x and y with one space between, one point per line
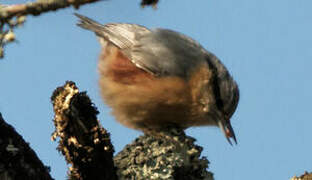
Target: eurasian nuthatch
152 78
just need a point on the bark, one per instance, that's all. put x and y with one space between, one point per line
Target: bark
169 154
17 159
83 141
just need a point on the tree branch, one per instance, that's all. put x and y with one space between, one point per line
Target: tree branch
38 7
168 154
83 141
17 159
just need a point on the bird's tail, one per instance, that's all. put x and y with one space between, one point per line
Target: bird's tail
118 34
89 24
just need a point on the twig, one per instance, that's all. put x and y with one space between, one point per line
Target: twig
38 7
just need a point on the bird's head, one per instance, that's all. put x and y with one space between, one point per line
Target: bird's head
227 103
226 94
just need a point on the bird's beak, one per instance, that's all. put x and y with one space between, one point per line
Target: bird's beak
227 131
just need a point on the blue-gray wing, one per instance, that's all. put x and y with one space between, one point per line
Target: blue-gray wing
161 52
167 53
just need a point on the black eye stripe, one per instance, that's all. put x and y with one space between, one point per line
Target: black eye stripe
216 86
224 88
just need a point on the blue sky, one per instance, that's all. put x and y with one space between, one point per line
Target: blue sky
266 45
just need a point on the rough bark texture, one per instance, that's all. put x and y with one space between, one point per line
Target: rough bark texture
163 155
17 159
83 141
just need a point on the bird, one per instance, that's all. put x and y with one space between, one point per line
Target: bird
157 78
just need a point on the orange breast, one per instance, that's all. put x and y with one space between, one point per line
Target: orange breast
140 100
118 67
